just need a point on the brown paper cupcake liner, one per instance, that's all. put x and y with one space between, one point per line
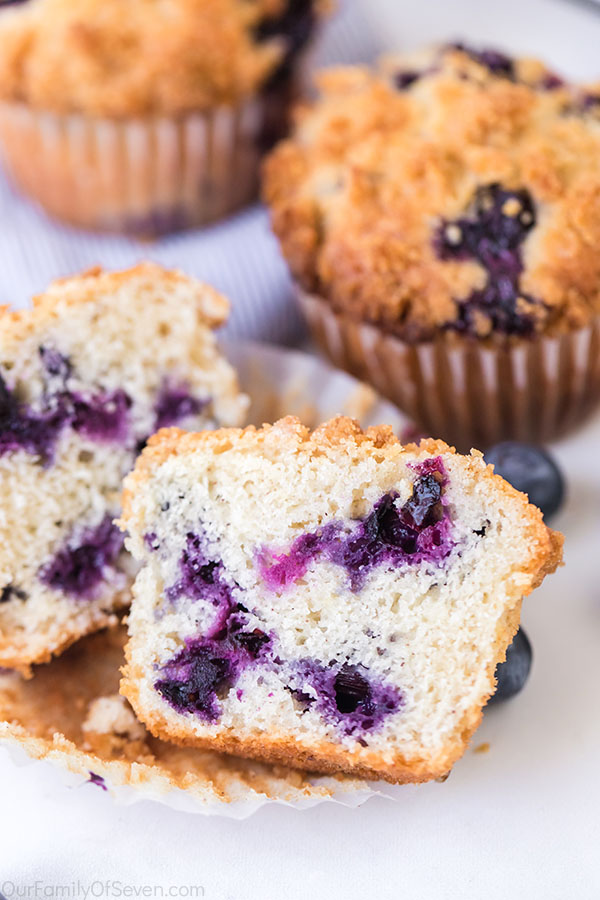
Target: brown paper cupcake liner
144 176
469 394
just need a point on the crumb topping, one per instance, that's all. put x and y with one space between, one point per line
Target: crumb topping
166 56
453 192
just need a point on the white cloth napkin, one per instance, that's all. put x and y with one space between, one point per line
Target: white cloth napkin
239 257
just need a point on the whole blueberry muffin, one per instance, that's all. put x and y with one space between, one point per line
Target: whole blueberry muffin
449 203
343 612
151 120
99 363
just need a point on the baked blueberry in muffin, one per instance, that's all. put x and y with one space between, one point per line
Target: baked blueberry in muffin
451 199
86 377
329 600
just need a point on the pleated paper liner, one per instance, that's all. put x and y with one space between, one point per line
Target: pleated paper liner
147 176
467 393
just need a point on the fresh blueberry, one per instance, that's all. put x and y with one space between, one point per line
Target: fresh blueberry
530 470
512 674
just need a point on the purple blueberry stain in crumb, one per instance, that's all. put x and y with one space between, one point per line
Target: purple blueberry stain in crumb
98 780
101 417
22 429
151 541
418 531
202 578
281 570
12 592
206 668
253 643
78 570
195 679
492 234
174 404
346 695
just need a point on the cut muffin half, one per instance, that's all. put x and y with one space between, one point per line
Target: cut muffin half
330 600
86 376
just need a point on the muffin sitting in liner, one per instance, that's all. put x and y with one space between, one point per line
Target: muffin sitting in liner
442 216
151 118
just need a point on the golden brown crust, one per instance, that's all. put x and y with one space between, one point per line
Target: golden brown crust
15 325
359 192
170 57
546 555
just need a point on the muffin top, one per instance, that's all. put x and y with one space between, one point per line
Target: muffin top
110 58
454 192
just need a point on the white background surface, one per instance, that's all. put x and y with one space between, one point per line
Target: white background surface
522 821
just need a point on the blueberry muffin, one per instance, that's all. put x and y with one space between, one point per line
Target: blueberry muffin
331 600
441 217
150 121
88 374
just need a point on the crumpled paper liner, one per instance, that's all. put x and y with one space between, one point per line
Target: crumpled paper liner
466 392
44 716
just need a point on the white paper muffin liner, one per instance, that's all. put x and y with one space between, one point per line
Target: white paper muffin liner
146 176
467 393
131 784
40 713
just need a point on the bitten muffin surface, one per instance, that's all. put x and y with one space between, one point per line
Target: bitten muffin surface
456 192
157 56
